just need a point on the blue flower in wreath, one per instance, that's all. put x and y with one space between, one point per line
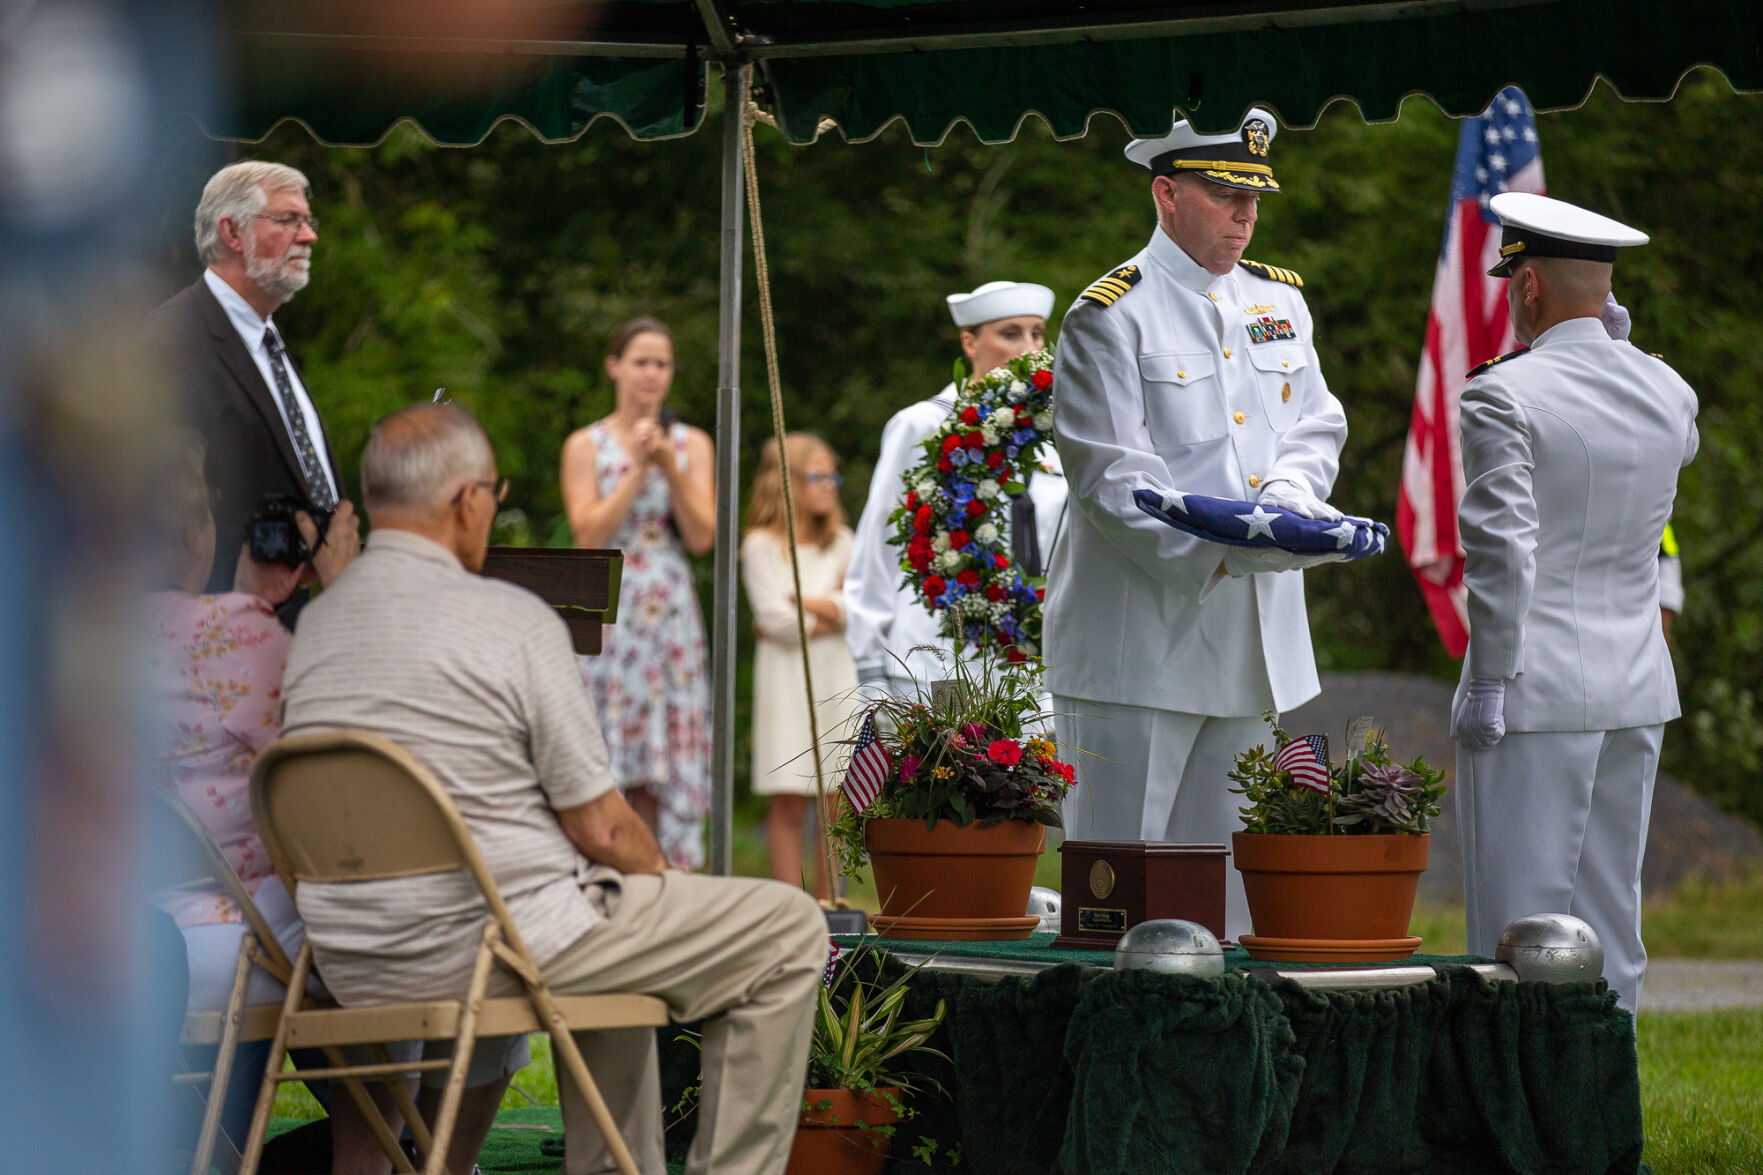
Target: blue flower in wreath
958 458
1010 451
1023 436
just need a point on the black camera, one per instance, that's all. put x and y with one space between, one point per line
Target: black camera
275 536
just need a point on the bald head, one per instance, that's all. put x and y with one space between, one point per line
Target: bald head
1543 291
416 458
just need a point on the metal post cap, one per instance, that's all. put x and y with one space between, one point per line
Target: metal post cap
1552 948
1171 946
1043 903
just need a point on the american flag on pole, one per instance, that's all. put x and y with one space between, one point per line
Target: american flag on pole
1497 152
868 769
1307 759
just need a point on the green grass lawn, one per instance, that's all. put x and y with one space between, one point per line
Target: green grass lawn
1702 1091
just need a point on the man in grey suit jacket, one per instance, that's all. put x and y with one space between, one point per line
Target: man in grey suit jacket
1571 451
241 391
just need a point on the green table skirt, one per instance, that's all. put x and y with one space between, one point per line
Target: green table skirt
1090 1071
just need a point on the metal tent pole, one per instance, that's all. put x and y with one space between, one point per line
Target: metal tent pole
728 481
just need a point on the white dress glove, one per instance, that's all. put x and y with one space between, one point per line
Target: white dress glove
1614 317
1481 718
1289 495
1240 561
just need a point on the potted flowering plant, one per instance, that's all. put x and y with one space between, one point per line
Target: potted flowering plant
950 525
1331 855
967 794
857 1076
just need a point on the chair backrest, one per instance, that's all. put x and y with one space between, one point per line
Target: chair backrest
348 805
192 860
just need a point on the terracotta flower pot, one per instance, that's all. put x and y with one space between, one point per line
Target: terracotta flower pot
829 1140
954 883
1328 899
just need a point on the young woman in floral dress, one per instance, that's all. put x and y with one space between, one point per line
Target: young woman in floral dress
644 484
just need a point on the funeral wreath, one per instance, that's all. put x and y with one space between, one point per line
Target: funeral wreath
950 525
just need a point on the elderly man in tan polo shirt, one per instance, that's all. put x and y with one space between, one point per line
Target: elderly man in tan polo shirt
476 678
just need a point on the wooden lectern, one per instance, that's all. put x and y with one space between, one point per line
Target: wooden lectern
581 584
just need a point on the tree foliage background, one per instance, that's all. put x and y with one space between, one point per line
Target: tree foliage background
498 272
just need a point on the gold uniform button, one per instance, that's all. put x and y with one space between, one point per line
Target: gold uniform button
1285 362
1285 393
1211 295
1181 375
1227 352
1239 418
1254 481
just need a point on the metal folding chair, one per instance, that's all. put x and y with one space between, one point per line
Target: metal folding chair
200 864
350 806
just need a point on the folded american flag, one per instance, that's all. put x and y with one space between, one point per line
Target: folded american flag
1250 524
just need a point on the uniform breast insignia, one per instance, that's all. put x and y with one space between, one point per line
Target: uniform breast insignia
1496 359
1108 290
1272 273
1259 309
1271 330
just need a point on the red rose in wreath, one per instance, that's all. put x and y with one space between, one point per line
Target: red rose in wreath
1002 561
968 578
951 443
959 539
994 459
970 416
975 508
921 520
975 439
994 592
1042 379
934 586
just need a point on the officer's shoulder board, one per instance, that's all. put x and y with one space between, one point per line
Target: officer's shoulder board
1481 367
1105 291
1273 273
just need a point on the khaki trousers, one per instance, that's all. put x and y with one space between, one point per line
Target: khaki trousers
742 954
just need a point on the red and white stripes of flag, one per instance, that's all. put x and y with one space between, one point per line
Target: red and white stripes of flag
869 767
1306 759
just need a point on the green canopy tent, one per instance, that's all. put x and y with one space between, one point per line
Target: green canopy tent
856 66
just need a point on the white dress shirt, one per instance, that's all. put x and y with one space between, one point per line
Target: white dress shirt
250 326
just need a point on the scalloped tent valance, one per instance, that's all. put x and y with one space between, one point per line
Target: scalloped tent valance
988 63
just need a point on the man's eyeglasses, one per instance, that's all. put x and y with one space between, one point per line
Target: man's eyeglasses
291 220
500 488
818 479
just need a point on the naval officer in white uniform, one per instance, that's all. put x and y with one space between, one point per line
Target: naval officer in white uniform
885 622
1187 369
1571 451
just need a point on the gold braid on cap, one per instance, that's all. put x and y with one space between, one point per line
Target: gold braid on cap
1224 164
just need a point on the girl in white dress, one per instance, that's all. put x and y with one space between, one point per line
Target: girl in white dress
783 759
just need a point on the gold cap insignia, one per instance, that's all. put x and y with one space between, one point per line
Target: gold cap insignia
1255 135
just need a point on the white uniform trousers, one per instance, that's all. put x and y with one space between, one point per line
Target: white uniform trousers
1555 822
1156 775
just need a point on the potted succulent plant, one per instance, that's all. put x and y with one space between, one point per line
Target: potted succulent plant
856 1075
1331 855
968 791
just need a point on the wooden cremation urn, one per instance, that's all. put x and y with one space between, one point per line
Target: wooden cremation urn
1109 886
581 584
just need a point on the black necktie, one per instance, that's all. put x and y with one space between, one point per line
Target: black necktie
1025 541
318 485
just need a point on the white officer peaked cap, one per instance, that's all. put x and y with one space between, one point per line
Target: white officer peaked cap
1236 160
996 300
1538 226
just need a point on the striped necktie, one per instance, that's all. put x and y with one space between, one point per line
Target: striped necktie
318 484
